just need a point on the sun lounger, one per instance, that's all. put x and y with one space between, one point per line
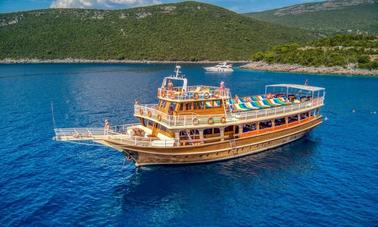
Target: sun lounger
250 106
272 103
255 104
243 107
260 103
247 99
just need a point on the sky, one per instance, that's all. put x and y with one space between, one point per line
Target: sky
241 6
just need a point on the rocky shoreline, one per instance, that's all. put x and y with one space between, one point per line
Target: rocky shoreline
80 61
263 66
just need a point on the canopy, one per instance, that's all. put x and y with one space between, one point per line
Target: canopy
297 86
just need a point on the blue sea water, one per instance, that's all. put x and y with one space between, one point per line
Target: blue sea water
328 178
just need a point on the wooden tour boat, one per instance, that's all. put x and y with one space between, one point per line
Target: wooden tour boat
197 124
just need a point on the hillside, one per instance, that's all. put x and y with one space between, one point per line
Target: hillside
337 16
182 31
349 51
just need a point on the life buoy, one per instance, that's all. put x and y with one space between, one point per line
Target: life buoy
76 135
223 120
210 121
141 111
195 121
196 96
149 114
207 95
159 117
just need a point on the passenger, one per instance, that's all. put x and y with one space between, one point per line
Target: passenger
236 99
222 88
106 125
170 85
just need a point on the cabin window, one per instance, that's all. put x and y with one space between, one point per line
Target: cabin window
198 105
293 118
249 127
209 105
162 104
181 106
208 131
229 128
162 128
188 106
265 124
150 123
304 116
211 131
280 121
172 107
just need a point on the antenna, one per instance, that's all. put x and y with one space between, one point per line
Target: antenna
177 71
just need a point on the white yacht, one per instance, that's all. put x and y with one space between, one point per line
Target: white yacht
221 67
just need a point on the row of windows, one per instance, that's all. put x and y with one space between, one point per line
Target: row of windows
192 105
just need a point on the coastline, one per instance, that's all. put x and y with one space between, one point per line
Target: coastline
263 66
89 61
259 65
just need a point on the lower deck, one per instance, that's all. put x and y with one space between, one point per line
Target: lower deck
217 150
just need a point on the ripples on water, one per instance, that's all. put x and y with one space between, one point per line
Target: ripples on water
328 178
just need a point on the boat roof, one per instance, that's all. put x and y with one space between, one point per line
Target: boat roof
298 86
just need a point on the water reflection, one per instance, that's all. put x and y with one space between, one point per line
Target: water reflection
162 188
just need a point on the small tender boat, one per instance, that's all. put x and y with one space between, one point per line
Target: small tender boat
221 67
197 124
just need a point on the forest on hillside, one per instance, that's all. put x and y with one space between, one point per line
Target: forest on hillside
352 51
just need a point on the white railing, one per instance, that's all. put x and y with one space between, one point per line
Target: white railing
115 133
151 112
194 92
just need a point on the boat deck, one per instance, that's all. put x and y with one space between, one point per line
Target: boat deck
150 112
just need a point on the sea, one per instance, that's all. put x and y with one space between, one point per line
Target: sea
328 178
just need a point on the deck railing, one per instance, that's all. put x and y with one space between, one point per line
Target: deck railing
194 92
115 133
151 112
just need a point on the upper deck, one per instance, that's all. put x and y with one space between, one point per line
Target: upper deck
279 100
151 112
193 93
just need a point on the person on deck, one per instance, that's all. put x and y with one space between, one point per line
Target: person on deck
106 126
222 88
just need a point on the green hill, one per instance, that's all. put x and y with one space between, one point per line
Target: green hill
337 16
360 51
182 31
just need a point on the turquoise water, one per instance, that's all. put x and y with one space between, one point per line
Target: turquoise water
328 178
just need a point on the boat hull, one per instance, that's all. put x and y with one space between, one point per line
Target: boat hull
216 151
213 69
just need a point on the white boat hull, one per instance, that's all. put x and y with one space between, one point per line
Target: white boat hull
214 69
